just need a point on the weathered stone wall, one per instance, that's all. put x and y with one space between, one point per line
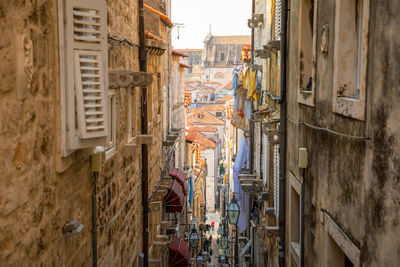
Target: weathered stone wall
354 181
40 191
35 201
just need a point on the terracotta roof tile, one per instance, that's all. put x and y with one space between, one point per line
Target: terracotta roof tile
163 17
228 85
151 36
183 65
225 99
217 107
203 117
206 129
177 53
195 136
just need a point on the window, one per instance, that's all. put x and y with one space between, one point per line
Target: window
218 114
265 160
222 57
131 112
276 181
257 147
83 67
350 54
111 135
294 219
307 51
340 250
277 10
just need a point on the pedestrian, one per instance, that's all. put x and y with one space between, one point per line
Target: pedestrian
212 225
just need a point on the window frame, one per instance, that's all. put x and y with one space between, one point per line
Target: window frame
295 185
303 96
333 231
345 105
110 146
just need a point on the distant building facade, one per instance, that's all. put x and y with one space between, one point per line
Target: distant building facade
215 61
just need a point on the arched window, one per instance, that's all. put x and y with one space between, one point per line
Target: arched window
222 56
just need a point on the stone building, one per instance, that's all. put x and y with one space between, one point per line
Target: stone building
68 85
215 61
327 148
221 53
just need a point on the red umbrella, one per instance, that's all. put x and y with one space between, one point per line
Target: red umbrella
179 176
179 253
173 201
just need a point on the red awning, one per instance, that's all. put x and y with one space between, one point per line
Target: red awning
179 253
174 200
179 176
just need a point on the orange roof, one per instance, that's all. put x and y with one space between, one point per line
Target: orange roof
203 117
195 136
185 66
163 17
191 50
188 88
206 129
228 85
151 36
176 53
218 107
225 99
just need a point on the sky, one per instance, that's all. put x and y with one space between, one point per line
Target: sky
227 17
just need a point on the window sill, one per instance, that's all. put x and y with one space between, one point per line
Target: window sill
295 252
110 152
349 107
306 97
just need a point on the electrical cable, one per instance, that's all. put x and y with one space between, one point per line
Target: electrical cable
121 41
328 130
131 195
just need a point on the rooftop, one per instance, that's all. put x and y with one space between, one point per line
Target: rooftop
198 117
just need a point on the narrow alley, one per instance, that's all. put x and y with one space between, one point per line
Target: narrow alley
184 133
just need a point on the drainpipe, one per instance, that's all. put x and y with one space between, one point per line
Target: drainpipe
95 168
94 218
282 155
303 193
143 67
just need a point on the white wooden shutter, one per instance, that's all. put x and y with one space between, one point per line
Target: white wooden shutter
276 180
257 147
268 15
265 159
86 71
90 94
277 19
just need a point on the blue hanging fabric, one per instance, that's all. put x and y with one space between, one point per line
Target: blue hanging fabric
235 84
247 109
191 189
243 199
258 85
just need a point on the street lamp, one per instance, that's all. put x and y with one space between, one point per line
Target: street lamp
194 239
233 211
233 216
221 252
224 242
